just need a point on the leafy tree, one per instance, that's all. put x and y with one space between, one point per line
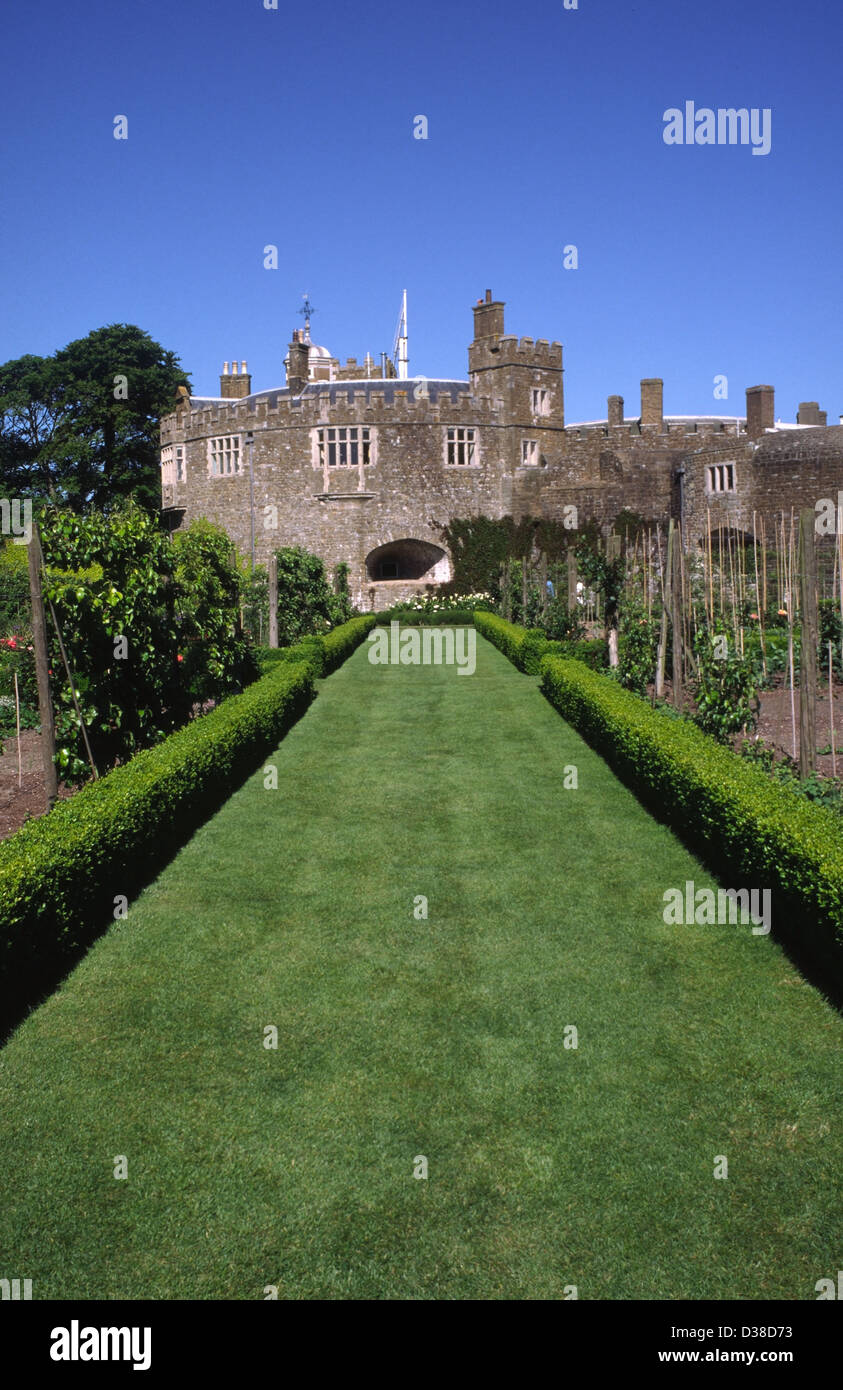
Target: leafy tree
150 627
110 581
81 427
209 592
343 610
306 602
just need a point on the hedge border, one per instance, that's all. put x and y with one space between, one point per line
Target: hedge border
324 653
728 812
60 874
525 647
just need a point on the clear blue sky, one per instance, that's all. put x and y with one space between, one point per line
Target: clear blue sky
249 126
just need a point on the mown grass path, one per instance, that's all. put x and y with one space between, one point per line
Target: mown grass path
548 1166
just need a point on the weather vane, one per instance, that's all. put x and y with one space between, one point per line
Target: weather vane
307 310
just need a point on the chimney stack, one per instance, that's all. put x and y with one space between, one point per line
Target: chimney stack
298 363
234 386
652 409
760 410
488 317
615 412
809 413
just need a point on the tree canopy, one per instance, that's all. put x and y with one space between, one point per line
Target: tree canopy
80 428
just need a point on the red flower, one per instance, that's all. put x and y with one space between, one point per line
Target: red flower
179 657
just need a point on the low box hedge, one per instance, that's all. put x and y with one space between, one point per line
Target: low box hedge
325 653
526 647
506 636
60 874
752 831
444 617
339 644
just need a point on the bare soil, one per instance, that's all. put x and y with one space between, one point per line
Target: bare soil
20 800
776 726
24 799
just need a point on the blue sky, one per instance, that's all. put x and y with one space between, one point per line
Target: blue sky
294 127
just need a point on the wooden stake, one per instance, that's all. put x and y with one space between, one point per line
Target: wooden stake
273 600
676 617
808 660
665 573
710 569
831 714
17 727
572 579
42 671
758 605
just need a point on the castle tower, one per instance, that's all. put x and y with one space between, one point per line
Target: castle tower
523 375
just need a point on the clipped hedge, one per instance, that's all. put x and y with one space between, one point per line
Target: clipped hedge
752 830
339 644
444 617
526 647
506 636
324 654
60 874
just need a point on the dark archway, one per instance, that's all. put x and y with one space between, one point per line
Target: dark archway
408 560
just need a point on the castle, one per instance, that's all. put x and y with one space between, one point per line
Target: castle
362 464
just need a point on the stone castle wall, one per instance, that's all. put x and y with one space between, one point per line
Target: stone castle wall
653 466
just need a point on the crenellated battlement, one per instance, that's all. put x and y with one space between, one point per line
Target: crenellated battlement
351 460
509 350
418 400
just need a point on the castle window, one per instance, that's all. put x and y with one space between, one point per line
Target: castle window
344 446
167 478
461 448
179 463
529 453
541 401
224 455
720 477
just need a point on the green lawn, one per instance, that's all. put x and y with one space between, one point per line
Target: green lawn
548 1167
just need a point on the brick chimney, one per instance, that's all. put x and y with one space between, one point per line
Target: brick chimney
298 363
488 317
760 410
652 410
809 413
615 411
234 385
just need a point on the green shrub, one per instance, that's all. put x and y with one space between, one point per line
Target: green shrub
728 811
306 601
209 587
533 647
415 617
324 654
339 644
593 653
725 689
506 636
526 647
637 648
60 874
